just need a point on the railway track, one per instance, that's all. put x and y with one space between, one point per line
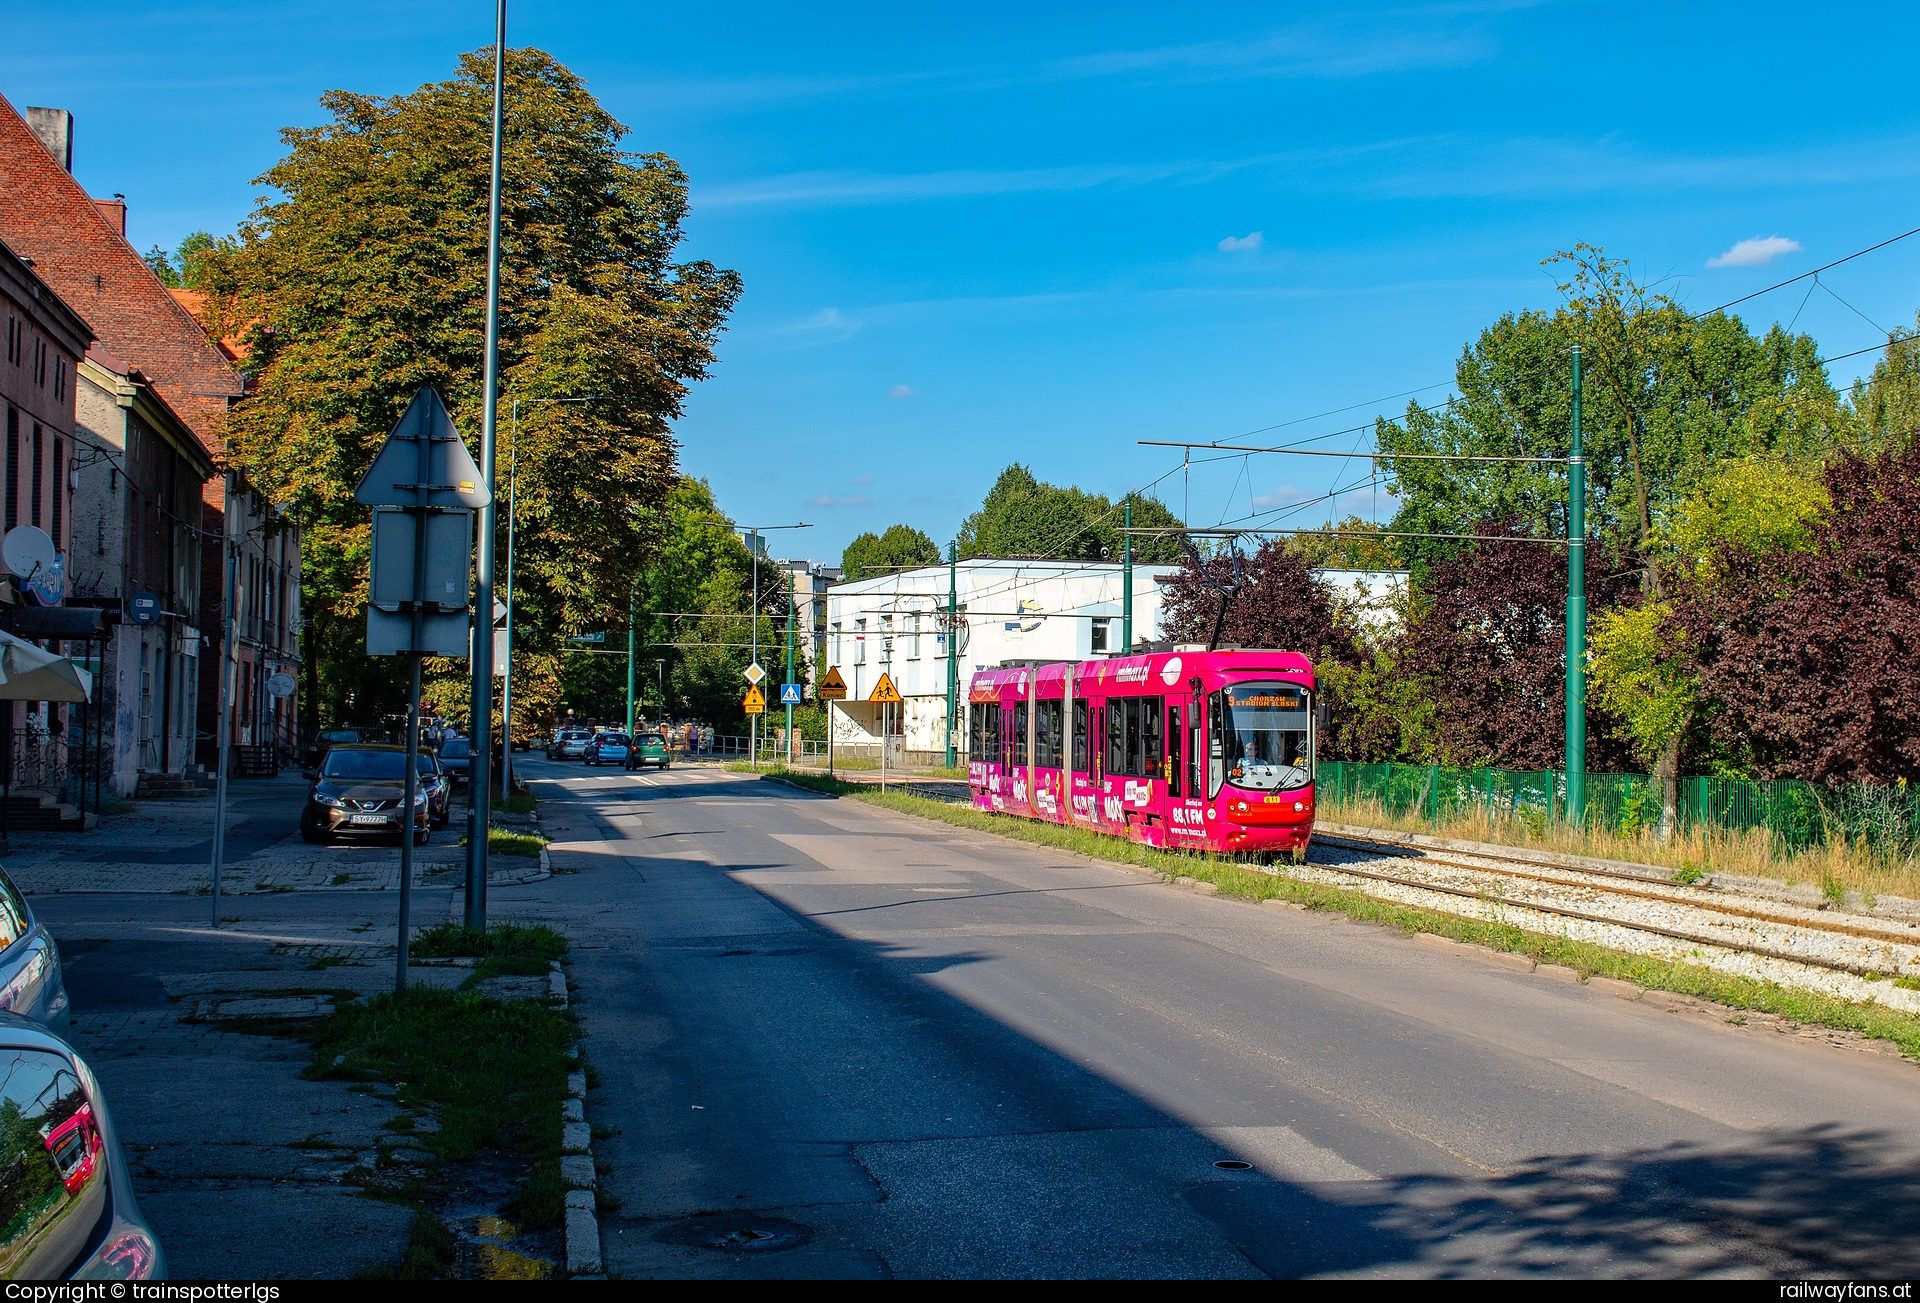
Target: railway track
1851 955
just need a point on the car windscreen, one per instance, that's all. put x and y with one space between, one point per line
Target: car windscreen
456 749
427 766
613 739
651 740
364 765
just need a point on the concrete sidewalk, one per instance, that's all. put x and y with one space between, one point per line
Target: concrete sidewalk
166 847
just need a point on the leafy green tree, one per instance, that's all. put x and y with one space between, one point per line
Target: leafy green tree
1025 517
162 265
1888 401
1667 394
901 547
360 278
1353 544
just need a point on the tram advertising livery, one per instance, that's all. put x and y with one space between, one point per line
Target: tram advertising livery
1203 750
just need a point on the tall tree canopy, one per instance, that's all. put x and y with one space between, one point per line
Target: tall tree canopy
901 548
360 278
1666 393
1023 516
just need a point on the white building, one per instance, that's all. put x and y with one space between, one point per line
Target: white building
1009 610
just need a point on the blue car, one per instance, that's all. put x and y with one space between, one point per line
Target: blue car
608 749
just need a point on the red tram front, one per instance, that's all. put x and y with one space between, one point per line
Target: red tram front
1186 749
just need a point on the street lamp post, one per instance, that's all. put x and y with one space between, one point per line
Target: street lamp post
506 665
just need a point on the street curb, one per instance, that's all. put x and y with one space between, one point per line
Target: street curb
576 1162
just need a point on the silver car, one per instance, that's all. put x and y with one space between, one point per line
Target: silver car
569 744
30 981
67 1209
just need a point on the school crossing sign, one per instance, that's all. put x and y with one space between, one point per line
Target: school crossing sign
884 692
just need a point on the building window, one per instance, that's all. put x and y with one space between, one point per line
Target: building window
59 378
59 491
14 332
40 362
13 468
1100 635
913 636
859 642
39 474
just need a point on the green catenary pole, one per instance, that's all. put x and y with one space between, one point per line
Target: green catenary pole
633 619
1126 582
1576 615
953 651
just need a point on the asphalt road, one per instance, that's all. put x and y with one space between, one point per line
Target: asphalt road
833 1041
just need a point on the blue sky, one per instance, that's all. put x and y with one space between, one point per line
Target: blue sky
1043 232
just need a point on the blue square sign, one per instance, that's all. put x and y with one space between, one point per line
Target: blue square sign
789 694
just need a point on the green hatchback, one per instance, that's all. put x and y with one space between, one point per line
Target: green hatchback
647 749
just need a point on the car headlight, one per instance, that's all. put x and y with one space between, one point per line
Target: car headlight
419 798
331 802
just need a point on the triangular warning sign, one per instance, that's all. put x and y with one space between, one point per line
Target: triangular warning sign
401 476
833 687
884 691
755 704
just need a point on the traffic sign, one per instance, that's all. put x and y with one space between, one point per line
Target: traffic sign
280 684
754 674
755 704
599 637
401 476
884 691
833 687
789 694
145 607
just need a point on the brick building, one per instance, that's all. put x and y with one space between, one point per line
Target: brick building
45 341
79 247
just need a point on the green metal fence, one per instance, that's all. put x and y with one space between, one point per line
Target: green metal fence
1797 814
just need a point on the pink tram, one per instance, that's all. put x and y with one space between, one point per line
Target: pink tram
1202 750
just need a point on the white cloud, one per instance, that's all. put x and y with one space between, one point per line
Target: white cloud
900 391
832 500
863 479
1242 243
1756 252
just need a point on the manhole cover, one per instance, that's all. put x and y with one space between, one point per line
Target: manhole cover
737 1233
1233 1165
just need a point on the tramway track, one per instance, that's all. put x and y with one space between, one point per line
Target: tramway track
1721 925
1644 888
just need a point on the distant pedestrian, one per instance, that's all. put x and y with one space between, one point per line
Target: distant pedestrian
706 738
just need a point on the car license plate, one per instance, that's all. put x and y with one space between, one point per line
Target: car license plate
367 818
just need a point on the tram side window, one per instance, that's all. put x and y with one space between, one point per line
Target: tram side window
1046 735
1020 734
1080 737
976 731
1152 745
990 732
1173 750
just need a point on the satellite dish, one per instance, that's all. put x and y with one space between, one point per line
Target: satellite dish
27 551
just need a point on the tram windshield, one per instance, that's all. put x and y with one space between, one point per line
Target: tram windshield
1260 739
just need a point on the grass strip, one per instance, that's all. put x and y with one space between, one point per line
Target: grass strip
507 841
1236 879
505 949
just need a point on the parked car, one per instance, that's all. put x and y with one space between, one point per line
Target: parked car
359 789
439 787
456 757
317 750
569 744
63 1179
609 748
647 749
31 983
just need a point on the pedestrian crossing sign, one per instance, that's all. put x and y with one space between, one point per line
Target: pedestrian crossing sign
884 691
756 703
789 694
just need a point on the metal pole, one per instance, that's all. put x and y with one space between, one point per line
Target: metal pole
1126 580
412 786
506 669
1576 615
633 615
226 705
477 786
753 721
953 650
793 607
